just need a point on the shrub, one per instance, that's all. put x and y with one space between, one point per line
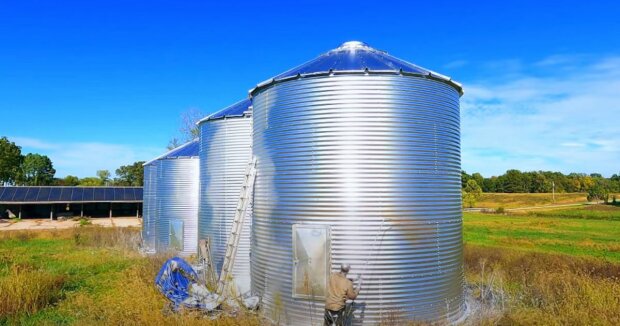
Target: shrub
500 210
84 221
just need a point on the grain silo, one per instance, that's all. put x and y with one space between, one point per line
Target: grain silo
149 207
225 150
358 162
176 196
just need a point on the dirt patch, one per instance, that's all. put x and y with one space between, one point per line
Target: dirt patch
46 224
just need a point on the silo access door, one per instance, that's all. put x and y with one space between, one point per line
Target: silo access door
311 261
176 235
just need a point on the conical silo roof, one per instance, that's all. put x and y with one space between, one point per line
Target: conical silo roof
189 149
356 57
238 109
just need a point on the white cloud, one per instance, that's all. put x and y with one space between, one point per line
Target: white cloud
560 113
83 159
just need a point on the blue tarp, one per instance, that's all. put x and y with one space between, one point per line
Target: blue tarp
174 280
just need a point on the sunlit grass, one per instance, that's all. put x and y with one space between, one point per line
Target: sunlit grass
527 269
496 200
595 237
86 276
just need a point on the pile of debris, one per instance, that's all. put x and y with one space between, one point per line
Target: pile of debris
178 281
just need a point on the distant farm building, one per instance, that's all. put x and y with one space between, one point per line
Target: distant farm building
67 202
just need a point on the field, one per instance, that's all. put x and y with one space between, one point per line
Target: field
582 232
497 200
550 267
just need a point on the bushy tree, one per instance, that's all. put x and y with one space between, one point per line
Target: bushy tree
91 182
104 175
464 178
71 180
490 184
10 161
471 193
130 175
478 178
600 191
37 170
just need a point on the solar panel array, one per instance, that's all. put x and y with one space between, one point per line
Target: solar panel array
69 194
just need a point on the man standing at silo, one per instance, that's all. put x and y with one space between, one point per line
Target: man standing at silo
339 289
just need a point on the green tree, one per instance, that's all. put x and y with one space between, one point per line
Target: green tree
490 185
104 175
471 193
91 182
71 180
539 183
478 178
37 170
599 191
514 181
464 178
10 160
130 175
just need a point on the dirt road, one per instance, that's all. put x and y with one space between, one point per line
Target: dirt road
44 224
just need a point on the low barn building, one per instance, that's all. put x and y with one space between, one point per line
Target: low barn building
67 202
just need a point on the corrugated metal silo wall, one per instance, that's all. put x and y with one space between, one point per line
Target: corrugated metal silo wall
378 158
225 150
149 219
178 199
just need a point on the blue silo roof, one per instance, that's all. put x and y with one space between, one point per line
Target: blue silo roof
189 149
236 110
356 57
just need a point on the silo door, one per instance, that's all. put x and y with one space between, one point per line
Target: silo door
176 235
311 261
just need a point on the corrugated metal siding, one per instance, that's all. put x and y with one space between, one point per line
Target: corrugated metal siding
178 198
377 157
149 218
225 151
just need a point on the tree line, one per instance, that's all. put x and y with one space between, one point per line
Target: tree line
515 181
38 170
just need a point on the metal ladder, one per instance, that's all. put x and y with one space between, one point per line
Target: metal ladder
206 259
235 230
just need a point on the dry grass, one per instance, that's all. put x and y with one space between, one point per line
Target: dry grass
536 288
26 290
496 200
88 276
100 237
77 277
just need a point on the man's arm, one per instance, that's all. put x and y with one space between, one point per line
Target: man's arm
351 292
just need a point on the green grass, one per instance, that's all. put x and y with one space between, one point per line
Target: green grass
577 232
85 276
592 212
560 267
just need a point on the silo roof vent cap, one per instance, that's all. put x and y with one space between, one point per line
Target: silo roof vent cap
352 45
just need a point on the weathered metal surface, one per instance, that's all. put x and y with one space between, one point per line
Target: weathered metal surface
149 217
177 198
377 158
225 150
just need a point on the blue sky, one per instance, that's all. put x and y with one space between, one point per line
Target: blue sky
98 84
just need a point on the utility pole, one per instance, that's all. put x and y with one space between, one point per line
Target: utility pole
553 191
